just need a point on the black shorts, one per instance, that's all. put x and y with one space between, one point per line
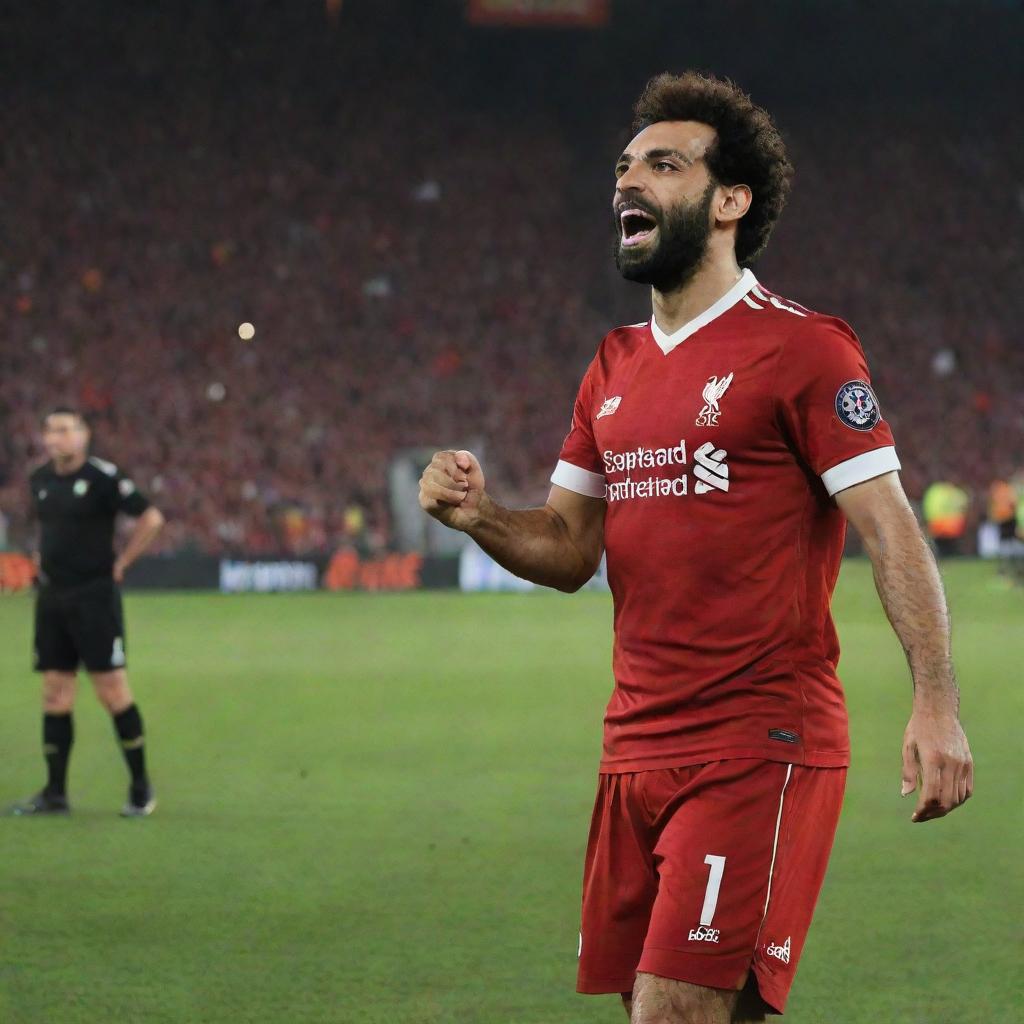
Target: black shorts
80 626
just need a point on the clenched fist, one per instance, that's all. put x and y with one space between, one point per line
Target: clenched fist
451 489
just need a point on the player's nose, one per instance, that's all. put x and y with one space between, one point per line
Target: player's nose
632 179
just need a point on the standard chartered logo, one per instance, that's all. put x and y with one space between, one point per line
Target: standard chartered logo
709 470
644 458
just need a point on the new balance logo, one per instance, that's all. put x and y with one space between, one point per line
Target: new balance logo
710 469
704 934
117 658
609 406
780 952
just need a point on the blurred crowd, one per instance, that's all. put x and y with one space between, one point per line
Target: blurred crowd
407 288
421 273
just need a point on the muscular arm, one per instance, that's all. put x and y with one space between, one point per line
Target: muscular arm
908 583
147 526
557 546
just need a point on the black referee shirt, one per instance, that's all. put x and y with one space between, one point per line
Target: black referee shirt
76 512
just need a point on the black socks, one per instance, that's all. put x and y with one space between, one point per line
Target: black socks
129 730
58 735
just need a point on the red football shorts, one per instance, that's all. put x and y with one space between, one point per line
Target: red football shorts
705 873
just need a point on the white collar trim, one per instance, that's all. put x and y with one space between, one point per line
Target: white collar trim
667 342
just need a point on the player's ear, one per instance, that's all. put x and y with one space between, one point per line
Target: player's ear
734 202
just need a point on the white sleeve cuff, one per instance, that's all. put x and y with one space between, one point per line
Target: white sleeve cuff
582 481
860 468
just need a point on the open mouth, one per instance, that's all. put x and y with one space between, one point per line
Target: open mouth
637 225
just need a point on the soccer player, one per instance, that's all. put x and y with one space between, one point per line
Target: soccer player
715 454
79 619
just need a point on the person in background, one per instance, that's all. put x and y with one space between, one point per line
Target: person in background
79 619
1002 514
945 508
1002 509
1017 482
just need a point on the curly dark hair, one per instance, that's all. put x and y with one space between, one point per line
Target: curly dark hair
748 149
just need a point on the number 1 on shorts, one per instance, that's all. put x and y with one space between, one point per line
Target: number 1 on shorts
714 884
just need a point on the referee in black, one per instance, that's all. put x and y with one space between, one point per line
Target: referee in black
79 620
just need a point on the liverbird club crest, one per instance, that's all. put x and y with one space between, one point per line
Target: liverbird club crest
712 394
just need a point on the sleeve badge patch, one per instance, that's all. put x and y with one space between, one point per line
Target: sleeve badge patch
857 406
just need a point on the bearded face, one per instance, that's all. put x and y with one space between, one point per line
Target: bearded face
662 247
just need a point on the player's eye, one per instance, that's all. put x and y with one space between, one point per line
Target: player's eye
664 164
620 170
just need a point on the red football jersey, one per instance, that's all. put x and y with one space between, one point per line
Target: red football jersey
718 449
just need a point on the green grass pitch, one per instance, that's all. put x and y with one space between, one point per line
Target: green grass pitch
373 809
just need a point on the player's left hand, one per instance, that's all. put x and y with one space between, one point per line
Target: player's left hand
119 571
936 754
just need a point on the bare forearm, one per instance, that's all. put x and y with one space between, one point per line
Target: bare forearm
534 543
936 755
146 528
910 588
557 546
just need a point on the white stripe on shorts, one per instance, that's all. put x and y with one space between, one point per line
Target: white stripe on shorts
775 845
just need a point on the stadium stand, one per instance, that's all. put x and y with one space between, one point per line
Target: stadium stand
420 272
